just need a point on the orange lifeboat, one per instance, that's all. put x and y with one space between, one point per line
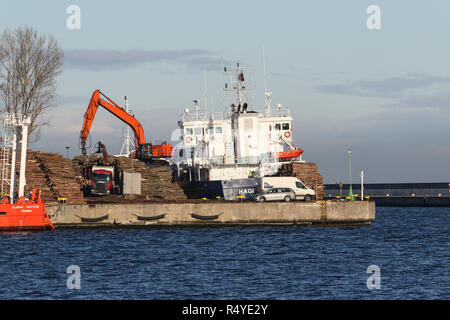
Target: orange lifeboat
25 215
288 155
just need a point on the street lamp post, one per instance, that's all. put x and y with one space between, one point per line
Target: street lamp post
350 191
362 185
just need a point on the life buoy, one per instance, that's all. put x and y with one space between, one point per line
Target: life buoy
188 139
287 134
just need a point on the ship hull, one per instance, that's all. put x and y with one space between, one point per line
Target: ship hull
26 229
223 189
24 217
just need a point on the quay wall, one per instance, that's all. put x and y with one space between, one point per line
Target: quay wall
211 213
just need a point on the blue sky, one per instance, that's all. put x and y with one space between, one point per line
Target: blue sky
382 93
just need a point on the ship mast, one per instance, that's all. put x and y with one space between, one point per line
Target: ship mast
127 143
206 88
236 84
266 92
239 88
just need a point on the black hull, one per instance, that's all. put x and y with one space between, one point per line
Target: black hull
223 189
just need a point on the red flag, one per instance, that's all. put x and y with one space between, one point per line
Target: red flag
241 77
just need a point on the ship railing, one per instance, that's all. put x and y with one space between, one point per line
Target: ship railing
205 116
279 112
230 160
223 161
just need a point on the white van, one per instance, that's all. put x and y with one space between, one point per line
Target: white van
301 191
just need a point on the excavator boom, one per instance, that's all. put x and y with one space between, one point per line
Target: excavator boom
112 107
144 151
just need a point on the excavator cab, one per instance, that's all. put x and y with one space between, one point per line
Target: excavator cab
144 152
148 151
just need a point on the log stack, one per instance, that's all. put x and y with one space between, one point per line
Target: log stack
53 175
307 172
35 178
156 179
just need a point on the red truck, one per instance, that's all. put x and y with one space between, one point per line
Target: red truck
102 180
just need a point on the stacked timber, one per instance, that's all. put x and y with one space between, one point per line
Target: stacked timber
54 176
307 172
36 178
156 179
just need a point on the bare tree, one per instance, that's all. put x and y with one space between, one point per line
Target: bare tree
29 65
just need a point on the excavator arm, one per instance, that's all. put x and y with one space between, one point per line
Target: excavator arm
102 150
112 107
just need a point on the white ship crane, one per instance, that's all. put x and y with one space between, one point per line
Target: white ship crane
13 128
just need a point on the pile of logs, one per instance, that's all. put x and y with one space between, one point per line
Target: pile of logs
53 175
156 180
307 172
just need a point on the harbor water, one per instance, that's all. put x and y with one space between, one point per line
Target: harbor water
410 246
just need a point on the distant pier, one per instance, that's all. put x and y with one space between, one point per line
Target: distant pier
395 194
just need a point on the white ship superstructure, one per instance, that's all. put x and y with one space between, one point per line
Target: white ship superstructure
235 144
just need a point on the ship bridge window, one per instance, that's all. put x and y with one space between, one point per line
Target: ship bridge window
197 130
189 131
285 126
278 126
218 130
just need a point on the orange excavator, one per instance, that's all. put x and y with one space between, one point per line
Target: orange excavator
143 151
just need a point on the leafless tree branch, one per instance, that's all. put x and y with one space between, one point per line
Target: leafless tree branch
29 65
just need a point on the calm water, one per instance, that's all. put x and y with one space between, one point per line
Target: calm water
410 245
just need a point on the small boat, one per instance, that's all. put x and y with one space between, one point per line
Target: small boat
288 155
25 215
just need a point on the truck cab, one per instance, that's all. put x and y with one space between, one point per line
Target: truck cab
102 180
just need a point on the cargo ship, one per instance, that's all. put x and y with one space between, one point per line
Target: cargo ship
220 154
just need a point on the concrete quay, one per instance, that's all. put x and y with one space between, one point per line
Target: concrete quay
220 213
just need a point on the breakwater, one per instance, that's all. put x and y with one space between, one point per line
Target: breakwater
396 194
